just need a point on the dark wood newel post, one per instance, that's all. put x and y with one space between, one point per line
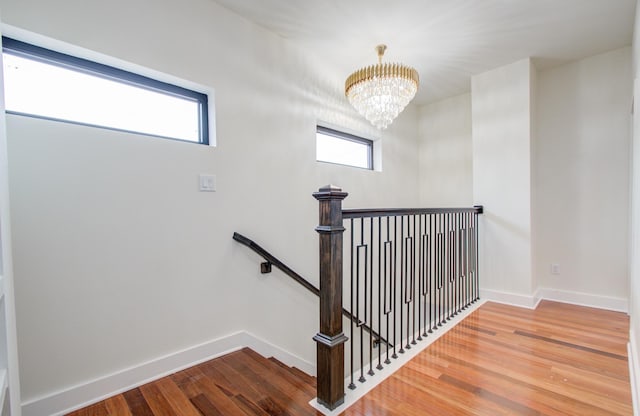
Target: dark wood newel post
330 340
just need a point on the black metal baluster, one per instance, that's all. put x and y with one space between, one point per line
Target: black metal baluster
451 264
371 240
456 264
361 379
456 260
463 261
439 271
472 260
436 272
408 279
407 282
413 279
352 384
461 275
388 295
463 232
425 293
420 275
468 260
456 269
475 258
395 284
447 269
403 261
472 272
379 366
432 271
441 274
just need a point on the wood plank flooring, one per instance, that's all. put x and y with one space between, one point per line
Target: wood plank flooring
556 360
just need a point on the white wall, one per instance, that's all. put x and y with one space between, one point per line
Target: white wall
579 148
446 153
118 258
582 175
634 275
501 110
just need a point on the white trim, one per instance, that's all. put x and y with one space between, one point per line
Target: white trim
574 298
352 396
101 388
514 299
586 299
634 372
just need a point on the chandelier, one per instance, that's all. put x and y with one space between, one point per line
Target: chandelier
380 92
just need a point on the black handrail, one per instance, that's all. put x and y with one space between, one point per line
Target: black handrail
272 260
387 212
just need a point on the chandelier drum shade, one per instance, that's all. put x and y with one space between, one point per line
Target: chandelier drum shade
380 92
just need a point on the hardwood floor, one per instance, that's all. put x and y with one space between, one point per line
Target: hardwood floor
556 360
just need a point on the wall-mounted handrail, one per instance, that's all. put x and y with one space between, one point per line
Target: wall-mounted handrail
272 260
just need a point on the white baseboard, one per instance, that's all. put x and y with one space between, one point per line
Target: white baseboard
634 372
514 299
99 389
585 299
575 298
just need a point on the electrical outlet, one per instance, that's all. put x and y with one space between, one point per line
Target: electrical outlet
555 268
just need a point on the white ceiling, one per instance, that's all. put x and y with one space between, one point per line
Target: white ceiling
447 41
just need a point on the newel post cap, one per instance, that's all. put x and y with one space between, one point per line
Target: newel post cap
330 192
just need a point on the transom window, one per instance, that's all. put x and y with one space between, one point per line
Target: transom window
42 83
334 146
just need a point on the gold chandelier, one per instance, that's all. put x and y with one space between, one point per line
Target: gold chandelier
380 92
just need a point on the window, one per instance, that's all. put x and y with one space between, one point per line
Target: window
343 148
43 83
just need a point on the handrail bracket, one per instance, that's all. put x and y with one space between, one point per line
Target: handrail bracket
265 267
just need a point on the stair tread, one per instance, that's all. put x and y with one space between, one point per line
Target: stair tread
275 370
281 392
309 379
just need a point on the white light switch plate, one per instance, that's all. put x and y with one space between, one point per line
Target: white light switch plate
207 183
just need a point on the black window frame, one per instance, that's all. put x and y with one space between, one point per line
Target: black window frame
351 138
48 56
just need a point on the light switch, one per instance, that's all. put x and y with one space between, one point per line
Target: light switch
207 183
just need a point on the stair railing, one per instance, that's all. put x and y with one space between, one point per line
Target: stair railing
271 260
409 272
